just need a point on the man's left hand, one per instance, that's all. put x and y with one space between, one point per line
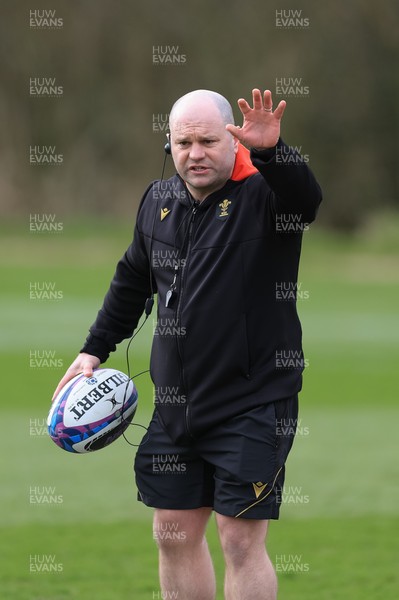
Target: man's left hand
261 126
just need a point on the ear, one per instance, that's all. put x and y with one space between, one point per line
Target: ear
236 142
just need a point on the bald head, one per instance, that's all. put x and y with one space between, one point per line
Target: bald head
194 101
203 151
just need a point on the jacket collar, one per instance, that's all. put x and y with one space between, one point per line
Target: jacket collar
243 166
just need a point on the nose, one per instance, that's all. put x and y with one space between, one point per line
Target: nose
197 151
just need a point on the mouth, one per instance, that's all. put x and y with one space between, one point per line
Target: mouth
198 169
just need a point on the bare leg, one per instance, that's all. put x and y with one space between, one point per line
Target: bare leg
185 566
249 572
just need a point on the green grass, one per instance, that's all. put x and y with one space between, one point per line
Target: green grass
344 530
118 560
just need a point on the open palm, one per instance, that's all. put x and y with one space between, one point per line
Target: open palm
261 125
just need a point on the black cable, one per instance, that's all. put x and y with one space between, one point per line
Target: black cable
150 301
131 379
148 308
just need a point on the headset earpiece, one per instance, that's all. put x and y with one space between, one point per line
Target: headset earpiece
168 147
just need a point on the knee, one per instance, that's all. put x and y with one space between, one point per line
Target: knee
173 532
239 545
236 548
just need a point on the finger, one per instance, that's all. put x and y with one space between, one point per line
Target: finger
67 377
88 370
235 131
267 99
243 106
257 99
278 113
58 388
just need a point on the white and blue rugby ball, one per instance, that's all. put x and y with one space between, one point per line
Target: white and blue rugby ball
91 412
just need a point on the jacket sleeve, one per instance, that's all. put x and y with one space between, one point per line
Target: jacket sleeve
124 302
295 190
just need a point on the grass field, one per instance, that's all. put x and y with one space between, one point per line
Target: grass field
338 535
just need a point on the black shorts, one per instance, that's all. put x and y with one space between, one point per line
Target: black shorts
236 468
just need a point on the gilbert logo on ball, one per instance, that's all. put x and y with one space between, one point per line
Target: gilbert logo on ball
91 412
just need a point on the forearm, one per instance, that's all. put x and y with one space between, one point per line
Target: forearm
295 189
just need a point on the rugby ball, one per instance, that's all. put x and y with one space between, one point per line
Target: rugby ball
91 412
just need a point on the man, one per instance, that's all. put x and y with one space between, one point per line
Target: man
216 242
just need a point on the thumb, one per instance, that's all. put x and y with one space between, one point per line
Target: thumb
88 370
235 131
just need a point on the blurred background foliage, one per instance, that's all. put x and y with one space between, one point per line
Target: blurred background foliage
102 124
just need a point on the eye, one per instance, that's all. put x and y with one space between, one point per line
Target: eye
209 142
183 144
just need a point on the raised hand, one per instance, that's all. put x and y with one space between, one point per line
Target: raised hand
261 126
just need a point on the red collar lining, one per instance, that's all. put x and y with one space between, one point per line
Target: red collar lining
243 166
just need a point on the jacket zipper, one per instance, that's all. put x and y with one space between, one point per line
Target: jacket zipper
181 290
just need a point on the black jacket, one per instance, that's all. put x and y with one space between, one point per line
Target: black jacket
229 339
